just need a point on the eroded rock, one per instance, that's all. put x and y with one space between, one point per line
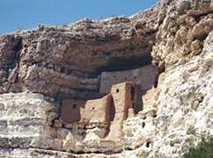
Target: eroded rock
120 87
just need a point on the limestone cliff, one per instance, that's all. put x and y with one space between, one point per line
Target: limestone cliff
121 87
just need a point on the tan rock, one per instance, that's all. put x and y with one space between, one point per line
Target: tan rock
89 89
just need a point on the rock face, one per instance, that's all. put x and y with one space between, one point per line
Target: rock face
120 87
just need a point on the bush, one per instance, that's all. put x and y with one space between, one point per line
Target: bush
203 150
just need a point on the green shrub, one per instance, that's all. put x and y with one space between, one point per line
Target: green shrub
203 150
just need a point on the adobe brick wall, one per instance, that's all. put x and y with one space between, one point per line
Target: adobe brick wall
91 111
144 77
70 110
110 110
97 110
122 99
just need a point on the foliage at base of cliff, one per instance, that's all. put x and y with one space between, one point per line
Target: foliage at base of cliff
203 150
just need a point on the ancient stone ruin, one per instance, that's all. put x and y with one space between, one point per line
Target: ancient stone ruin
122 95
108 112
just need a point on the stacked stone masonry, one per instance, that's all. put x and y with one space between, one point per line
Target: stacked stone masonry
109 111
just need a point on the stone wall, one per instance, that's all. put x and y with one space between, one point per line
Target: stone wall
90 111
97 111
106 113
70 110
122 102
145 77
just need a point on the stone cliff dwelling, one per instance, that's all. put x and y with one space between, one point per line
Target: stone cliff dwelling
94 85
107 112
144 77
122 94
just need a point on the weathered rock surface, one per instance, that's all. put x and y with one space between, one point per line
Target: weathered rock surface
184 114
56 98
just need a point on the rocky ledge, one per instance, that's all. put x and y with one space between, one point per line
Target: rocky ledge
121 87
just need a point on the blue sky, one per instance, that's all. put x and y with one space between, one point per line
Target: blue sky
26 14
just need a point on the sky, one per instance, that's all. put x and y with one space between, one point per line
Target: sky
27 14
